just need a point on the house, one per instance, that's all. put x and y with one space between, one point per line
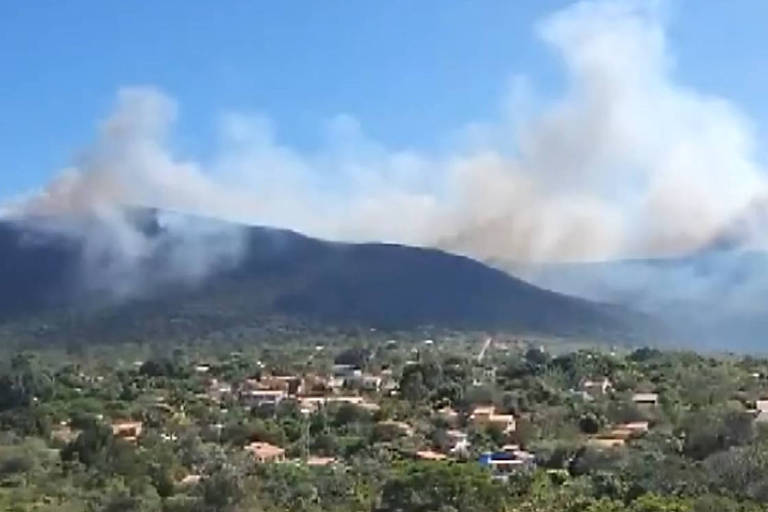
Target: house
320 461
315 384
335 383
489 374
348 399
482 411
128 430
218 390
265 452
262 397
606 442
507 461
345 371
597 387
370 383
190 480
618 433
635 427
389 384
486 416
646 399
310 404
455 436
430 455
292 385
456 442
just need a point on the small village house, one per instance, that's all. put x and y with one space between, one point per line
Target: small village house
606 442
507 461
646 399
315 461
345 399
455 442
619 434
265 453
290 384
636 427
596 387
364 382
218 390
127 430
430 455
486 416
315 384
310 404
262 397
190 480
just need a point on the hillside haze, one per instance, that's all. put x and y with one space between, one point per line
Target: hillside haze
710 299
49 273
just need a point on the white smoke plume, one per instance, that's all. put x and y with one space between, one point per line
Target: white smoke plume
626 163
97 203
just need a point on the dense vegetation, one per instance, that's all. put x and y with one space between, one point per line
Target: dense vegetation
705 450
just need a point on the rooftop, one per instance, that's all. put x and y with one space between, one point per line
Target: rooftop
264 450
430 455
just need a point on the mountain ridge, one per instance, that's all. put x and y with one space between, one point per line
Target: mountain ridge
286 273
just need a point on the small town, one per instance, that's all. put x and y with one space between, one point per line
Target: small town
264 425
384 256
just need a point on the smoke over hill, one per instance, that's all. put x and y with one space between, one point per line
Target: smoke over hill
280 276
626 162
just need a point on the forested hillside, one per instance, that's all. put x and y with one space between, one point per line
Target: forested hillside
46 284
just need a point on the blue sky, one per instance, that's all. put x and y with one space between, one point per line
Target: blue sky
410 72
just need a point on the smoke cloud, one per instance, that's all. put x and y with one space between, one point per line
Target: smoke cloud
626 163
103 203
